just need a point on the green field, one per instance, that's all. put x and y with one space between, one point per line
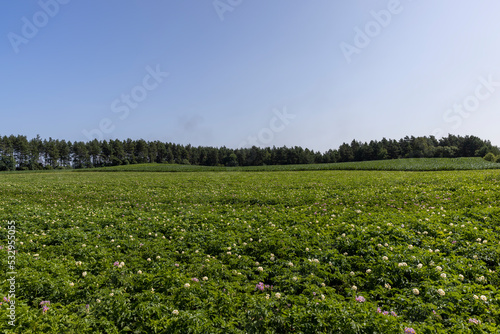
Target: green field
253 252
415 164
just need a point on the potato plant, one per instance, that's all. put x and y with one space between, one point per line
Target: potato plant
253 252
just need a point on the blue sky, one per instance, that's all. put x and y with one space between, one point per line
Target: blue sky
239 72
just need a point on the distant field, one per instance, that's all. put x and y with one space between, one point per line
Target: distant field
422 164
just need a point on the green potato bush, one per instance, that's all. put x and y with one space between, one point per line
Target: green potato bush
253 252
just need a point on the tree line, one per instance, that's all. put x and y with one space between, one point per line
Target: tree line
17 152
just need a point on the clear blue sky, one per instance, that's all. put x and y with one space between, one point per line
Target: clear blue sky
341 70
